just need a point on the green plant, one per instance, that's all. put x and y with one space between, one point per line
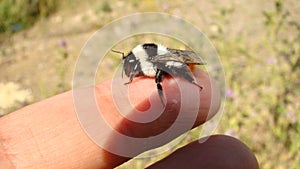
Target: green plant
283 39
104 7
16 15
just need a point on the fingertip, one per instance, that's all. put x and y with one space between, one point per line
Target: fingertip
210 100
217 152
141 99
135 109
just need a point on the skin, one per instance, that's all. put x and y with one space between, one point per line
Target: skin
48 134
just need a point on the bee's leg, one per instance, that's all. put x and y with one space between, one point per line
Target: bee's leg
185 74
193 81
130 78
201 87
132 74
158 79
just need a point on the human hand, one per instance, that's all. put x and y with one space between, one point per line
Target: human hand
48 134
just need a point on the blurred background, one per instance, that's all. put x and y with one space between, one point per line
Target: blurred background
258 43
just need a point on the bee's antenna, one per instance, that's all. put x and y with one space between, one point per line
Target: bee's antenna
122 53
123 57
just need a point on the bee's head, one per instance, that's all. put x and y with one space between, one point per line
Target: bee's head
129 61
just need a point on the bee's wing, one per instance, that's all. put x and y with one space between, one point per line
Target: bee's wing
183 56
166 57
187 56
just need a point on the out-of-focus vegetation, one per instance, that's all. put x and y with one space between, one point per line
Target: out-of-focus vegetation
260 53
264 88
16 15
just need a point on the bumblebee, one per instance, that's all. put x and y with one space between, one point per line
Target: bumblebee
155 60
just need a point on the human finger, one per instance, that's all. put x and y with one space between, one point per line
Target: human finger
217 152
